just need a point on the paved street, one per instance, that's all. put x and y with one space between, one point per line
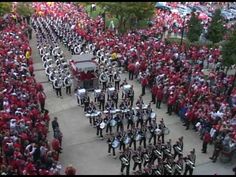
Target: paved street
89 154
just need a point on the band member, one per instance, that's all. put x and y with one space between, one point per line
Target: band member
159 168
109 142
110 74
148 170
123 83
137 159
124 104
132 135
139 102
140 115
170 103
67 84
177 149
91 109
109 105
162 127
120 125
167 148
146 157
153 91
104 79
179 166
181 143
131 95
129 116
152 129
148 113
117 79
99 129
101 100
190 163
115 97
168 166
142 132
58 85
125 161
157 153
121 136
108 118
86 101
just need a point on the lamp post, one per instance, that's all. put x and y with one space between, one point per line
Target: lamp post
182 34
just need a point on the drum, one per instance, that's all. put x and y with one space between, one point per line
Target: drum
115 144
113 122
102 125
157 131
105 112
87 115
144 106
126 88
113 111
97 93
125 111
153 115
127 140
81 93
138 137
95 114
166 131
118 111
110 90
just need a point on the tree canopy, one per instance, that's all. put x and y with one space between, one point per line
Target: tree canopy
127 11
195 28
229 50
24 9
216 29
5 7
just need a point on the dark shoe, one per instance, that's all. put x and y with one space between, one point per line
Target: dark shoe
211 158
186 128
214 161
204 152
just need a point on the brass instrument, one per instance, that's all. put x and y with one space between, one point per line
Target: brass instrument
125 161
178 150
167 151
158 153
146 157
138 159
191 164
168 167
178 168
157 172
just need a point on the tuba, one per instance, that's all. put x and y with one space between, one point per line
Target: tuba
178 168
103 77
178 150
146 157
158 153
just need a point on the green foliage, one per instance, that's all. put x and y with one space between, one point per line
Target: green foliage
5 7
24 9
195 28
127 12
216 29
229 50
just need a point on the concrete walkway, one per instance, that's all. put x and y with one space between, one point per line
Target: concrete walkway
89 154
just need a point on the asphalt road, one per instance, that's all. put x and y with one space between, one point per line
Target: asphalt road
88 154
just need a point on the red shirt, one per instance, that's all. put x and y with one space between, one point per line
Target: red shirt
207 137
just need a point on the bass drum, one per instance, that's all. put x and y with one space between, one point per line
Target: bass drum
115 144
138 137
127 140
148 135
102 125
113 123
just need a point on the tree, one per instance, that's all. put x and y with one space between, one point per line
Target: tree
5 7
127 11
24 9
229 55
195 28
216 29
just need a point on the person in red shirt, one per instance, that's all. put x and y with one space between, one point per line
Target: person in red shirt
41 98
131 68
206 140
159 97
56 145
170 103
154 90
70 170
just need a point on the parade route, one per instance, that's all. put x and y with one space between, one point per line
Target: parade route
88 154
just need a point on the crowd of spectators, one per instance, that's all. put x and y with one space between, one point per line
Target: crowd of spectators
24 121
